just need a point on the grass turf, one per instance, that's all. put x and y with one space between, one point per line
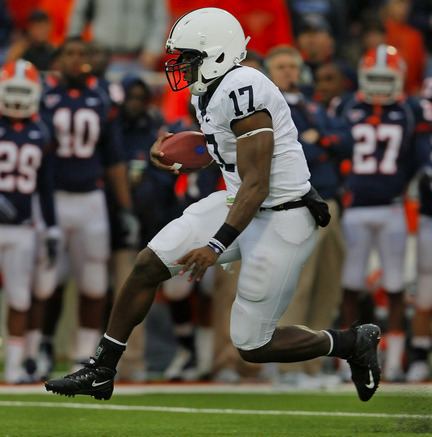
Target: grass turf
59 422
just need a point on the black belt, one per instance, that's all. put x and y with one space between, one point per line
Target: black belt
285 206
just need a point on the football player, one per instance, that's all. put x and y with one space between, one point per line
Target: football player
24 170
421 341
268 216
388 149
88 147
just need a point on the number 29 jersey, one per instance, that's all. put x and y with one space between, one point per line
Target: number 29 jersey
241 92
22 148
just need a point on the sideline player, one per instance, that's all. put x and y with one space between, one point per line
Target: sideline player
88 147
388 150
24 170
421 340
252 137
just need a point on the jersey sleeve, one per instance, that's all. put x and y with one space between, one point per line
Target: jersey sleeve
46 115
45 188
422 138
110 142
246 92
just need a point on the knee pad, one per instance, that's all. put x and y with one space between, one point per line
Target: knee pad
423 297
94 279
177 288
45 282
19 299
247 331
207 283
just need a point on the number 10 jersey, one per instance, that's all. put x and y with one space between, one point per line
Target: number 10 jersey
242 92
86 134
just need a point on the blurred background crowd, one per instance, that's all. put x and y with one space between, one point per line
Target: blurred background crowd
105 101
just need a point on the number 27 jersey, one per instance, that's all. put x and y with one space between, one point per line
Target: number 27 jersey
241 92
389 147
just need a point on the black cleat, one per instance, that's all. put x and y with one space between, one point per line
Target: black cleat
91 380
365 370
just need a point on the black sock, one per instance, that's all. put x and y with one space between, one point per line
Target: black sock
187 341
108 353
420 354
343 342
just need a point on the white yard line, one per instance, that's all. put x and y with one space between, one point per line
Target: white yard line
261 388
160 409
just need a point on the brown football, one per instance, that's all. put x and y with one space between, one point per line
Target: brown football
187 151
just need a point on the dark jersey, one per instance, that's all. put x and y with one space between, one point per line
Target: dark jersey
24 170
334 144
389 147
86 133
425 192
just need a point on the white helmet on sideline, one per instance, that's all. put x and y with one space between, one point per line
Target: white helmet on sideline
381 75
209 42
20 89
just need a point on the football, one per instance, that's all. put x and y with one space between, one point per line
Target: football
187 151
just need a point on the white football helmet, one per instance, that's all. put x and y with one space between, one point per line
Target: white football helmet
209 42
20 89
381 75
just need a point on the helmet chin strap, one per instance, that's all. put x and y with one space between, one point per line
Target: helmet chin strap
199 87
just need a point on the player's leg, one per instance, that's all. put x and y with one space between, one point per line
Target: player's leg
153 265
421 342
48 287
228 366
359 238
274 248
391 244
327 289
131 366
89 252
17 261
178 291
272 258
297 314
193 229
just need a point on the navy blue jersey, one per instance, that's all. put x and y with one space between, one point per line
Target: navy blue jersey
334 144
425 192
86 133
389 147
24 170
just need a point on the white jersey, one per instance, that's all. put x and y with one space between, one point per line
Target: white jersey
242 92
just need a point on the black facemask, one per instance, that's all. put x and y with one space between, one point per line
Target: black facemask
182 71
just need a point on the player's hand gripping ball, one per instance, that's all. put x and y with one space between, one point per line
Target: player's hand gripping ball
185 151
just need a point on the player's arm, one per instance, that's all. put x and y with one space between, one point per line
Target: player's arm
45 188
113 158
118 179
254 156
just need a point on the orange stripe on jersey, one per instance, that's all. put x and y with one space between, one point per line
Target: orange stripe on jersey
423 127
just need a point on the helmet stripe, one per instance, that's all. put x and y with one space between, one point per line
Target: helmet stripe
175 24
381 56
20 69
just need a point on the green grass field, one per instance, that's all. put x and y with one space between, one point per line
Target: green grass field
217 414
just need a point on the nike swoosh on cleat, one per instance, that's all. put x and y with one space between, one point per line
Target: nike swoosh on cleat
371 383
97 384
